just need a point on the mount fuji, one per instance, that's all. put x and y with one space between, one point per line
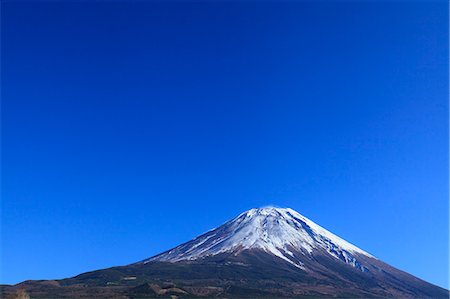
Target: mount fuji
262 253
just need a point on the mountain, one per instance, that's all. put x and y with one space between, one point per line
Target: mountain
262 253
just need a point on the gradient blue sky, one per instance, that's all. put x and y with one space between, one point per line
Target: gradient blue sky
128 128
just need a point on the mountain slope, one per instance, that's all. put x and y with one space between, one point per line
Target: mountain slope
262 253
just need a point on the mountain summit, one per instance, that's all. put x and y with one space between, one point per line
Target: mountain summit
262 253
277 231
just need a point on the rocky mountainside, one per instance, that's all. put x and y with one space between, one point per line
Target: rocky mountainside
262 253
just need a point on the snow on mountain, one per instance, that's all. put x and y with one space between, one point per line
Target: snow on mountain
278 231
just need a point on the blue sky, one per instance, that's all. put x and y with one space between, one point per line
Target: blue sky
128 128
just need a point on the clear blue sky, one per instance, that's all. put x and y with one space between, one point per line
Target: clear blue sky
128 128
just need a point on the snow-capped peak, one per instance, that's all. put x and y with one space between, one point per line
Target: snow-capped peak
279 231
